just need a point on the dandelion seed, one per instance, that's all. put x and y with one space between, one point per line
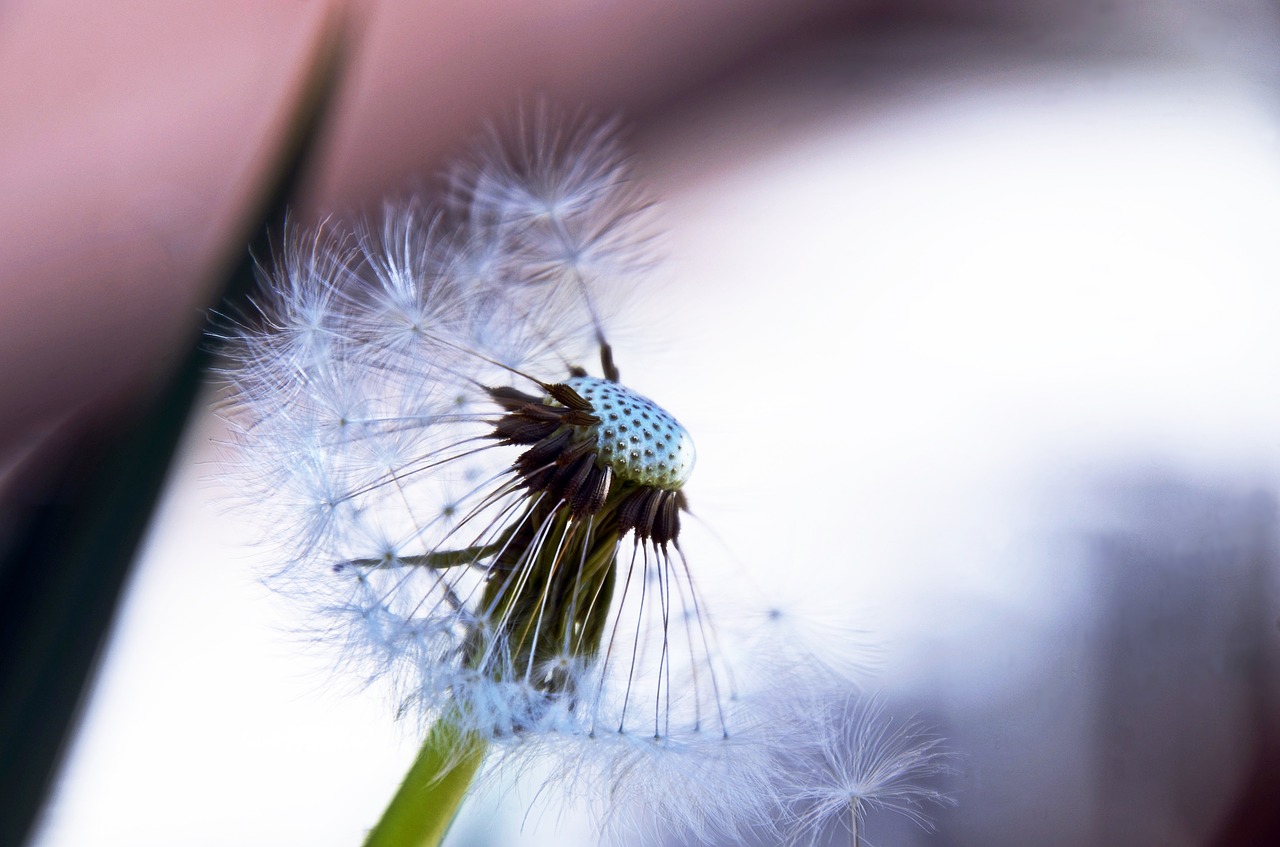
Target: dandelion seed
847 756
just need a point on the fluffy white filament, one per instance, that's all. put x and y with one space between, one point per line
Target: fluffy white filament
357 396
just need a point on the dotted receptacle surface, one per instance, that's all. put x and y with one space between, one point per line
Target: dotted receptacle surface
636 437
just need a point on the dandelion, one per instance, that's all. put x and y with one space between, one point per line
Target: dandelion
490 529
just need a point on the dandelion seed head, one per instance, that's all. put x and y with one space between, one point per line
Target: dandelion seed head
477 521
489 531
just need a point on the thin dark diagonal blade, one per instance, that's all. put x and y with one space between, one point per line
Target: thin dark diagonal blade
62 573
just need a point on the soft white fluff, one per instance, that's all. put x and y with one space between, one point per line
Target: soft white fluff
356 391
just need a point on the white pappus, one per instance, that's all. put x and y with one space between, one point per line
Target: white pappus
484 524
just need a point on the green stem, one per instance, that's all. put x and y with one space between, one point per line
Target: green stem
423 808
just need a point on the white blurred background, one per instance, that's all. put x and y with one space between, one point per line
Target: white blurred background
974 327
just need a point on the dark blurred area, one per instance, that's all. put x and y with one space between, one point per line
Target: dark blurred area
1166 733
